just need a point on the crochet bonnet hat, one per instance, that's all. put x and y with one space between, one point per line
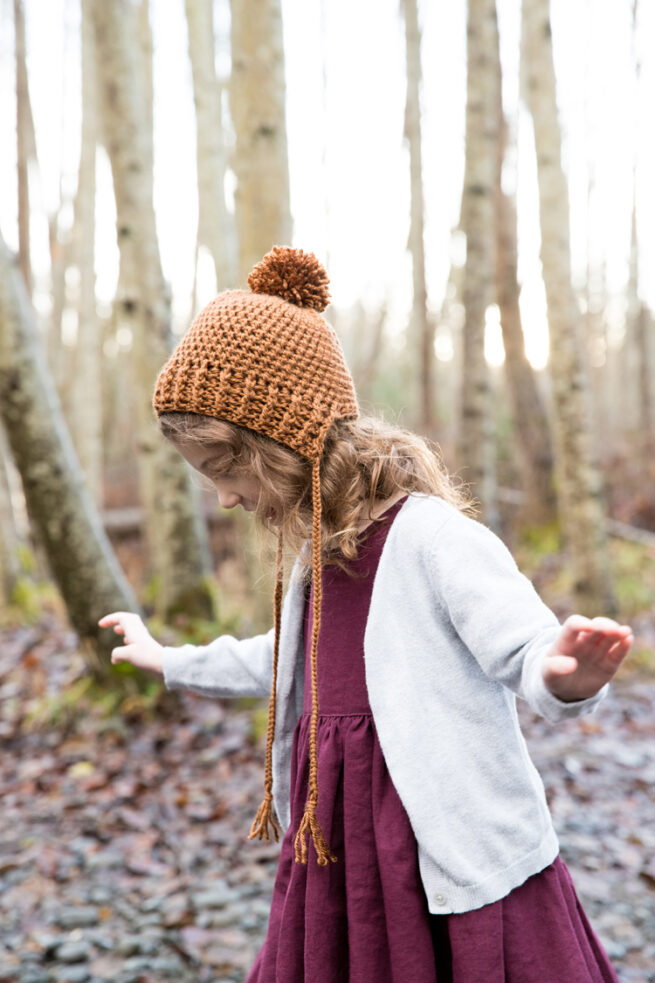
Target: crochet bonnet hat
267 360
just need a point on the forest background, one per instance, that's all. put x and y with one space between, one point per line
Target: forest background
476 179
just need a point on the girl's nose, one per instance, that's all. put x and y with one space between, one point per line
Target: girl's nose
228 499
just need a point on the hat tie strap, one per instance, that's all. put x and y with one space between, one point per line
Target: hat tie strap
309 822
265 814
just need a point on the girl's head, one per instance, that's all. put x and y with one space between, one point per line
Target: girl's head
364 462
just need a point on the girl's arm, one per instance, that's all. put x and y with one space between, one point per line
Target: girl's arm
513 635
225 667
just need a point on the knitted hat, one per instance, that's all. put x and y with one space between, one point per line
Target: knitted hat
266 359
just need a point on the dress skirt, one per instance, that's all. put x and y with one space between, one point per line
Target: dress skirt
365 919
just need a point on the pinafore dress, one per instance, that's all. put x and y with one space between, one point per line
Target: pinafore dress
365 919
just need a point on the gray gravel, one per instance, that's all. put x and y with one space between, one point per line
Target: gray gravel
95 888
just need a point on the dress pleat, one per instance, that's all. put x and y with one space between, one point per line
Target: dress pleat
365 919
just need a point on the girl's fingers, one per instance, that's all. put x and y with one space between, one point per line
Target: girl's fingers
575 623
562 665
578 630
578 623
121 654
605 636
569 634
620 648
608 624
115 617
597 635
608 639
110 619
603 624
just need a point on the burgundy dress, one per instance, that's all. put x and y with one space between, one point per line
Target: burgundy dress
364 919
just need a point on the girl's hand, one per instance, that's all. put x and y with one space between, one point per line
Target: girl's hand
585 656
139 646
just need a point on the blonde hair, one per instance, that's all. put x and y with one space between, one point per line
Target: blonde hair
364 462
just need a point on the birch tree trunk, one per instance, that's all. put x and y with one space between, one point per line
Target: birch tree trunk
257 104
58 501
25 145
529 415
10 540
605 376
637 357
630 416
449 332
594 338
476 451
645 329
144 62
367 348
215 224
87 384
644 326
261 167
60 259
580 491
422 333
175 527
27 161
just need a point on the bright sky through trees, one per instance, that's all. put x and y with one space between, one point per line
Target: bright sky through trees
349 166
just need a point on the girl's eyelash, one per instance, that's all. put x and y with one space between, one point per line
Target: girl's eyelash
215 472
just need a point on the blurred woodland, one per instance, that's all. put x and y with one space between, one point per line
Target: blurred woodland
98 514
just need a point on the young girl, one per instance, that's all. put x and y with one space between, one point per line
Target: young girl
418 846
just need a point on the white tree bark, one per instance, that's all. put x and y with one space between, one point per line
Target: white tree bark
529 418
10 539
645 338
175 527
476 449
638 370
145 69
261 167
580 492
630 415
257 104
25 144
422 333
86 417
215 224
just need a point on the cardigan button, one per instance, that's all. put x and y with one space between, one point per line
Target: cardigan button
439 899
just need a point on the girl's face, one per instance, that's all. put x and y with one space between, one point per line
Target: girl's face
233 488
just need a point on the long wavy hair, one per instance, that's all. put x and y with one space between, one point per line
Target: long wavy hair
365 462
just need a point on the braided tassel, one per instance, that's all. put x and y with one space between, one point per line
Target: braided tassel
309 823
265 815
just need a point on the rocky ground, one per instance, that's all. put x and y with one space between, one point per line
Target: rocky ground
123 847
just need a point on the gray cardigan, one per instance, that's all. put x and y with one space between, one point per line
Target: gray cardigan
454 631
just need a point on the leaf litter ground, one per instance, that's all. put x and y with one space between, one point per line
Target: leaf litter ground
123 843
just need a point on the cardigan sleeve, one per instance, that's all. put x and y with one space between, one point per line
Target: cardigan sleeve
225 667
498 614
